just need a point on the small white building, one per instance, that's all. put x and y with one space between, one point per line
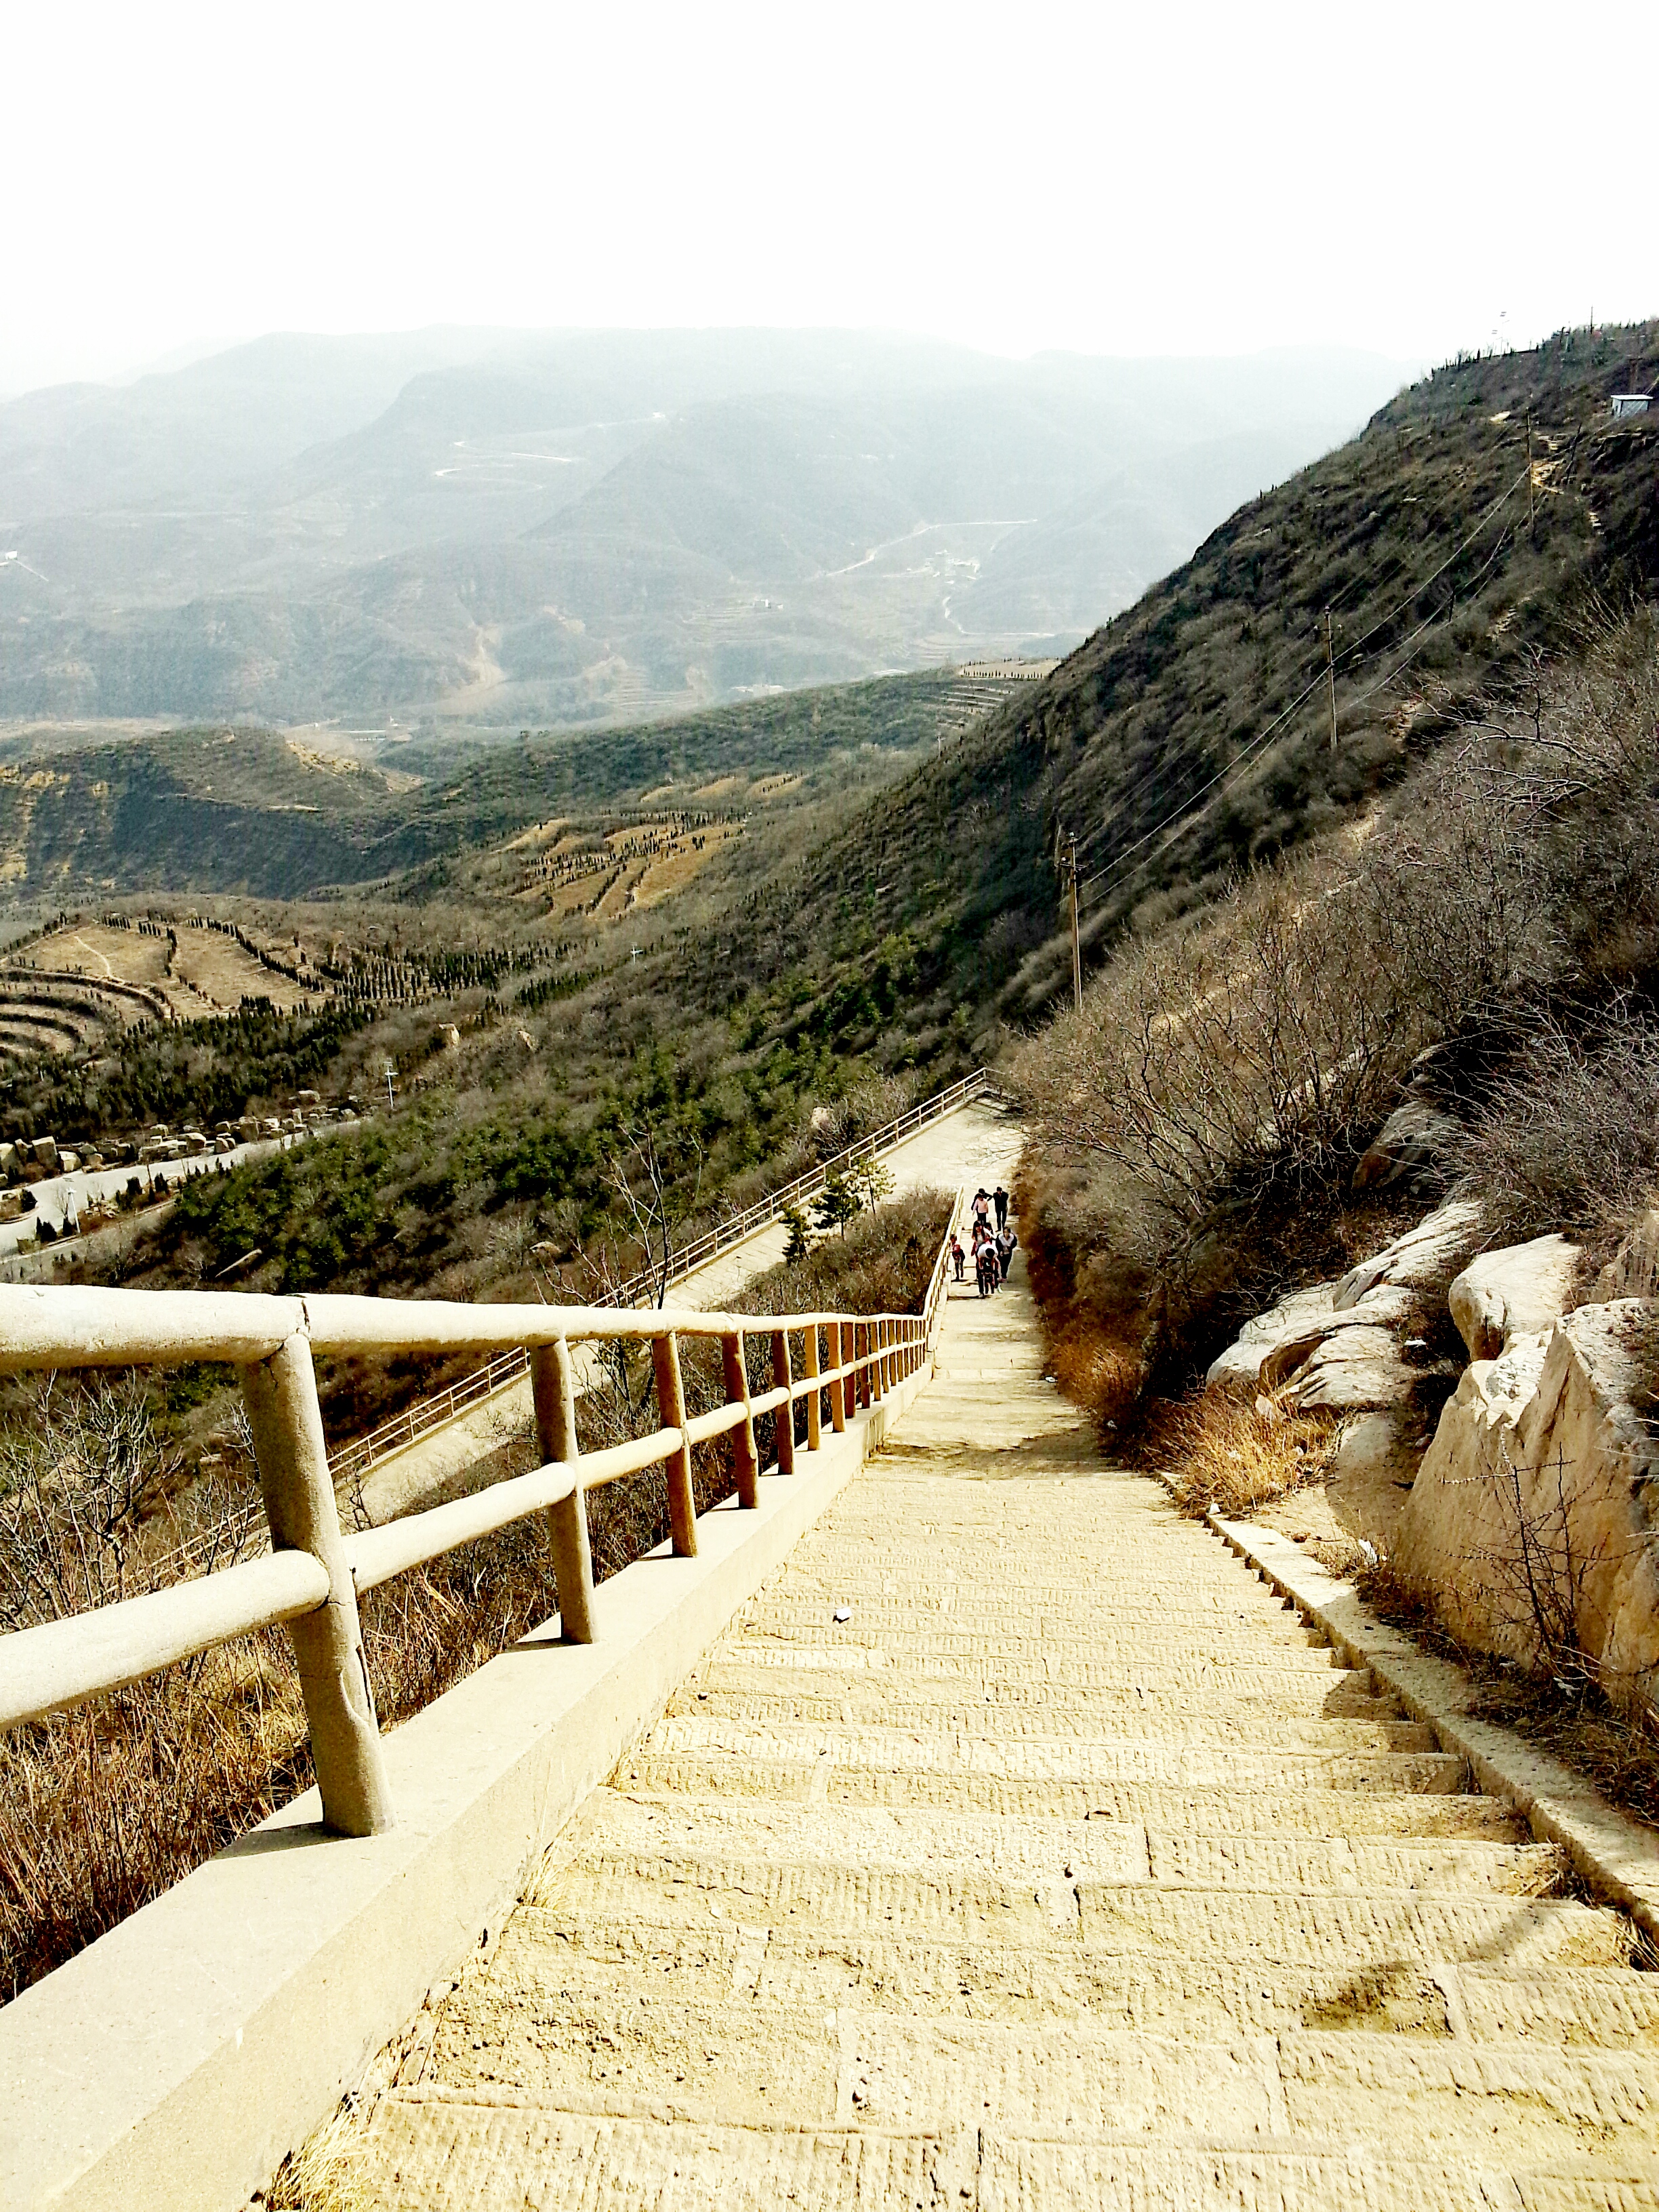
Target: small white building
1629 403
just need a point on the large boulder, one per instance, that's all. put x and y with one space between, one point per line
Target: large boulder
1450 1233
1314 1355
1517 1291
1370 1478
1298 1320
1358 1364
1531 1526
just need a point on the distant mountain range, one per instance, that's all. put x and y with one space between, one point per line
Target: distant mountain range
496 529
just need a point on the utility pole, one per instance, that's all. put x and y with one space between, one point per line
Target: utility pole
1529 511
1330 676
1076 948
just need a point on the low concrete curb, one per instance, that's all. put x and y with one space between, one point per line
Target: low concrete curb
1615 1856
173 2064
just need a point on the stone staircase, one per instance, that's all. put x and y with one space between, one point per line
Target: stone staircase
1066 1869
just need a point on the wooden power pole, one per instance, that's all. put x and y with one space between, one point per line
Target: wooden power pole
1529 506
1077 947
1330 676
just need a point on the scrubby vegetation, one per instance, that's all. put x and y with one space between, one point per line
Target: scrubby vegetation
1198 1125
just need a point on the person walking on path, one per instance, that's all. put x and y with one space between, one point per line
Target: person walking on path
957 1253
1006 1240
985 1263
982 1207
1001 1200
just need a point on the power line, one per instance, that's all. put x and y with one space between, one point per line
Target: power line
1349 653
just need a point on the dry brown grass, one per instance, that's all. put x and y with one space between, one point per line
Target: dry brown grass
325 2174
103 1808
1219 1452
1096 1370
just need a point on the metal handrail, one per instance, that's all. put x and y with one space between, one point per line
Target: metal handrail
353 1461
313 1574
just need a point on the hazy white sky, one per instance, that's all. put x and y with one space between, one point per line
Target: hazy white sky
1111 178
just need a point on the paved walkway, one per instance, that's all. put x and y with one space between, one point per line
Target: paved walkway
1066 1869
979 1144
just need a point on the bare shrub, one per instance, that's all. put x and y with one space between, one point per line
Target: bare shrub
1570 1140
1229 1062
77 1472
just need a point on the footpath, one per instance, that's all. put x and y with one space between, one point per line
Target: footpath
979 1144
1016 1847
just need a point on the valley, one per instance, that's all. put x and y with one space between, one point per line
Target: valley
461 534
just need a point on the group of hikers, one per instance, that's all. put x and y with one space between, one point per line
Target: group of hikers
990 1248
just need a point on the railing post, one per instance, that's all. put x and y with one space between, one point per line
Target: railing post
814 1410
553 1385
281 1396
671 1412
875 1339
737 1393
837 1340
846 1394
783 1421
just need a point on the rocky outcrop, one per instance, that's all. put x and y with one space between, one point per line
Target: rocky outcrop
1517 1290
1416 1258
1314 1355
1339 1345
1533 1526
1370 1478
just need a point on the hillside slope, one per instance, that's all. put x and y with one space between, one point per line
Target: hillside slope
1208 694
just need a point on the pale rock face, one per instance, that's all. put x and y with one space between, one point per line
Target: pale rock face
1302 1319
1514 1291
1417 1257
1542 1476
1632 1271
1338 1346
1318 1356
1370 1479
1357 1365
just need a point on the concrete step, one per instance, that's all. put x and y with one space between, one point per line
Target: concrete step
1309 1810
431 2150
1118 1911
1010 1846
744 2061
1306 1672
1093 1758
564 1955
987 1609
1252 1727
1101 1644
1569 2007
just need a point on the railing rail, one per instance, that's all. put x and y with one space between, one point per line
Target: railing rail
313 1576
353 1461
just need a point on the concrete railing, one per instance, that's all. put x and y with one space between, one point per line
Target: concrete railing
315 1571
353 1461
